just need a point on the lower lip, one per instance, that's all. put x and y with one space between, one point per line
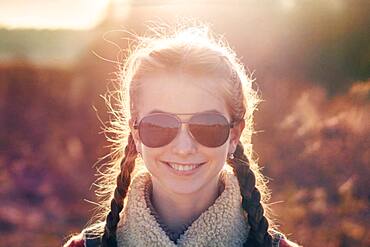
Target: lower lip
183 173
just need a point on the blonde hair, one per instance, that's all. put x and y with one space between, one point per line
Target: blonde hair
193 50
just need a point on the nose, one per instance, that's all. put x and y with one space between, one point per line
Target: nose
184 144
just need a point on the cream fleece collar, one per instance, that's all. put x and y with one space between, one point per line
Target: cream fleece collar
222 224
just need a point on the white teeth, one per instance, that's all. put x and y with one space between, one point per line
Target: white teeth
183 167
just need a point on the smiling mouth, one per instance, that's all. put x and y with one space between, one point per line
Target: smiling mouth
184 167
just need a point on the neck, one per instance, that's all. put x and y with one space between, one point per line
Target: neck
178 210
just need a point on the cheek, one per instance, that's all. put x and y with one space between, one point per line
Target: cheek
219 154
150 155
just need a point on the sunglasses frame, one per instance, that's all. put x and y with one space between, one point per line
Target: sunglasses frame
137 123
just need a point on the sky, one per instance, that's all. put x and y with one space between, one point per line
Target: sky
85 14
51 14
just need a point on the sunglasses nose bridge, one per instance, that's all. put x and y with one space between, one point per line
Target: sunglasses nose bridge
184 130
184 143
184 126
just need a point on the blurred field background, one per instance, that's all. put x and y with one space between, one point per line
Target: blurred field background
311 61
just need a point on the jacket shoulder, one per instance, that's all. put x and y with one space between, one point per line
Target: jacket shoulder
84 239
76 241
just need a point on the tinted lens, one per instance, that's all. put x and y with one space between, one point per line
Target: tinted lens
158 129
209 129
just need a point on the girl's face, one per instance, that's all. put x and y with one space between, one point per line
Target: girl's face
183 165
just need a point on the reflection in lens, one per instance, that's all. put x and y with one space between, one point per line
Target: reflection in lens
209 129
158 130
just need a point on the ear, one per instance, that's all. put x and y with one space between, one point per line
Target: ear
135 135
235 134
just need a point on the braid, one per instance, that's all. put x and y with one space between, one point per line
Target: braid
251 200
123 182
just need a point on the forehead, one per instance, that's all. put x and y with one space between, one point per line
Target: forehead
178 92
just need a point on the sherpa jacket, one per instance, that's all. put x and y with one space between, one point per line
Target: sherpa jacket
222 224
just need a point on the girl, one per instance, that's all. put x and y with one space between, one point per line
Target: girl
186 113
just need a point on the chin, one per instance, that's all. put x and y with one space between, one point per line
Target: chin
185 188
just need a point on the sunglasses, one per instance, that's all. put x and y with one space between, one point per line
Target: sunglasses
159 129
